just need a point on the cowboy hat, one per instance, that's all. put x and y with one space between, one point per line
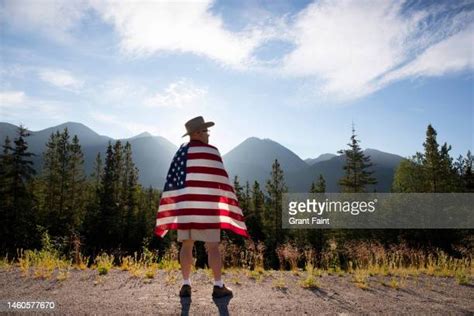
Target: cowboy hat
196 124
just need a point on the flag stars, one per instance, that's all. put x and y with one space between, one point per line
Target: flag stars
176 177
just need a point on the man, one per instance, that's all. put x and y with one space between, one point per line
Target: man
198 201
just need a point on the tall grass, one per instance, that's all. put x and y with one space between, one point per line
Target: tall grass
361 259
42 263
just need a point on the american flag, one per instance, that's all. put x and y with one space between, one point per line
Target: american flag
198 194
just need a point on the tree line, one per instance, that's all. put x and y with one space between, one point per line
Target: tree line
430 171
105 210
109 210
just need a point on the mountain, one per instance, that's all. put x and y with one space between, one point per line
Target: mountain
144 134
322 157
151 154
253 158
384 166
7 129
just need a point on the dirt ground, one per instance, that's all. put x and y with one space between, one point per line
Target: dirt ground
84 292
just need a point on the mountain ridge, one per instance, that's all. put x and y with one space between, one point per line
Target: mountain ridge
251 160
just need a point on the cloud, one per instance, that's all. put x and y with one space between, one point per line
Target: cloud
61 78
18 105
343 49
119 123
150 27
53 18
179 94
8 98
455 53
351 48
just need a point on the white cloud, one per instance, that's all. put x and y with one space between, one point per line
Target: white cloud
18 105
61 78
452 54
179 94
348 47
53 18
8 98
119 91
150 27
133 128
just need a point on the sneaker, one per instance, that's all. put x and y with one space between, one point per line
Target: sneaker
219 292
185 291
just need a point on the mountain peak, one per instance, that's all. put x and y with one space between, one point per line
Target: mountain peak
322 157
144 134
73 127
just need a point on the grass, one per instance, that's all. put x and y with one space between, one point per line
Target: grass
258 274
235 280
462 278
361 279
104 263
5 263
394 284
62 275
279 283
363 260
311 281
171 277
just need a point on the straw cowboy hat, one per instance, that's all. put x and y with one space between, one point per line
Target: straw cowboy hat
196 124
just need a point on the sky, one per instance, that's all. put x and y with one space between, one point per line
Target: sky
297 72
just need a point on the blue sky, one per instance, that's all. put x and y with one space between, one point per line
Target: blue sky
297 72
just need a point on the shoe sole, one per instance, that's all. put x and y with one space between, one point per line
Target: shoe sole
221 296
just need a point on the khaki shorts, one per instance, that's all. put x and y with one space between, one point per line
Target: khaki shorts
211 235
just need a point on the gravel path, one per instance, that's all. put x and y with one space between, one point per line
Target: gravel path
84 292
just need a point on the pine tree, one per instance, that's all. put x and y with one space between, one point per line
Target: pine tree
6 165
130 191
107 223
64 185
98 171
91 223
467 174
64 179
315 236
77 186
409 177
19 220
356 177
432 160
437 165
110 217
275 188
6 206
51 179
320 186
238 189
253 218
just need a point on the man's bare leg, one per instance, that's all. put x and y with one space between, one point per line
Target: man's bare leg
214 259
186 258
